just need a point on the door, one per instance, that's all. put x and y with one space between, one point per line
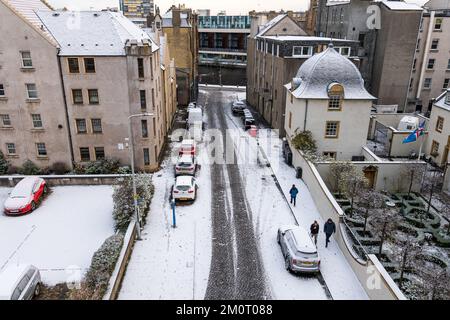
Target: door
371 174
446 151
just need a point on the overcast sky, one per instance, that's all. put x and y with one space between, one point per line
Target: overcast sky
230 6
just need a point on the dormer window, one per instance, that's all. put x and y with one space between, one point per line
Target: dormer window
335 96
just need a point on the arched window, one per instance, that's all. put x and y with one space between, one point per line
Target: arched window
335 96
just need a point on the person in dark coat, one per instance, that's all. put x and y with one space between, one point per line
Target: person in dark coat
293 192
329 228
315 231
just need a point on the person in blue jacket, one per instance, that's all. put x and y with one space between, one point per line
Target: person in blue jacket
329 228
293 192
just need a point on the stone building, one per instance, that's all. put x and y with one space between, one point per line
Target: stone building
83 74
327 97
137 10
431 68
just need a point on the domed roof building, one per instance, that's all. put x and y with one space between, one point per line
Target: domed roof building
327 97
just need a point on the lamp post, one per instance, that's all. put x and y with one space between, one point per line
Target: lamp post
131 147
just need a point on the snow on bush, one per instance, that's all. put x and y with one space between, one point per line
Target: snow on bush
104 166
4 164
29 168
123 200
95 282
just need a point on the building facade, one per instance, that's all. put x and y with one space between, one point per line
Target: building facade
327 97
137 10
81 87
431 68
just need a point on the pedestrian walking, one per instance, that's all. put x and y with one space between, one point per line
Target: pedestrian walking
315 231
293 192
329 228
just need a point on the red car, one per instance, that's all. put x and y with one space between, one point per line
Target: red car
25 196
188 146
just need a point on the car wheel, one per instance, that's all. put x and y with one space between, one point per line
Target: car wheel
287 263
278 238
37 290
33 205
45 189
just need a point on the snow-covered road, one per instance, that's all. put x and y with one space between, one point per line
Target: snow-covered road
61 235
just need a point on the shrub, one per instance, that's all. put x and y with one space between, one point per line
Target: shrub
29 168
304 141
104 166
95 282
59 168
123 200
4 164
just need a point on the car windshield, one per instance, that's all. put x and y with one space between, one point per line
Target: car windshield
313 255
183 188
184 164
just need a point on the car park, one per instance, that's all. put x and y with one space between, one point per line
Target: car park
186 165
184 189
26 196
19 282
299 251
188 146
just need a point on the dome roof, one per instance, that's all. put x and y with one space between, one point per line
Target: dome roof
316 74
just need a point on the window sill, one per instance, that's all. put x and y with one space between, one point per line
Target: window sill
3 99
429 70
42 157
33 100
78 104
437 30
94 104
97 133
37 130
6 128
335 110
331 137
27 69
141 79
82 133
12 156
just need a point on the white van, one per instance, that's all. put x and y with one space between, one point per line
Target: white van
20 282
195 123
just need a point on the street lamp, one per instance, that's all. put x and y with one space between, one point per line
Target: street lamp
130 134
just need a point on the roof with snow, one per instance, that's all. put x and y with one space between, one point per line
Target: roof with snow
317 73
305 38
93 33
269 25
443 101
401 5
167 21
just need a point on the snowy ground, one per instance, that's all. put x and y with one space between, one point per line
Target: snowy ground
60 236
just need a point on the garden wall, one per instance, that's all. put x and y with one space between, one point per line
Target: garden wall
371 274
66 180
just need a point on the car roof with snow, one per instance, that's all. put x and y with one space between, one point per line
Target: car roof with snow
25 186
10 277
183 180
187 141
186 158
302 239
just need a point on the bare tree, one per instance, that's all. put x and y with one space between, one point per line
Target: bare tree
435 282
445 212
430 185
414 172
337 171
369 200
410 249
354 182
384 223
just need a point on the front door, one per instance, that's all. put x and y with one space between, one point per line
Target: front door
446 151
371 174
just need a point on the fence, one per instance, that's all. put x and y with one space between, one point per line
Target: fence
67 180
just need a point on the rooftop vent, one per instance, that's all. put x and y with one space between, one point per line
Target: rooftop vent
56 14
96 14
295 83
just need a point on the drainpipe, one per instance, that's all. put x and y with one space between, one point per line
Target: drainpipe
66 109
425 56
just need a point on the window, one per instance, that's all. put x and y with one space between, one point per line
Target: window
144 126
26 59
411 82
153 98
11 148
434 44
431 63
2 90
32 91
414 64
74 66
300 51
41 150
96 125
89 65
345 51
330 154
334 103
448 64
37 120
439 124
418 45
6 120
361 38
438 24
143 99
81 126
445 86
435 149
77 96
290 120
99 153
154 127
332 129
146 156
85 155
335 95
427 83
93 96
141 67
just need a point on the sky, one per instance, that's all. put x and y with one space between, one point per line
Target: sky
230 6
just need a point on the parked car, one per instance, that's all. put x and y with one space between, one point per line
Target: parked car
238 107
192 105
188 146
26 196
185 188
20 282
299 251
287 153
186 165
248 122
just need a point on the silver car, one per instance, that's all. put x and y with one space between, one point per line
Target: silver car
299 251
20 282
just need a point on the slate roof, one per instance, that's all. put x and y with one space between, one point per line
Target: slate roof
322 69
92 33
270 24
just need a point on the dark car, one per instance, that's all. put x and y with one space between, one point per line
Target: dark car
238 107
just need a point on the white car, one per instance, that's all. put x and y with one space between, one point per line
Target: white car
186 165
299 251
185 188
20 282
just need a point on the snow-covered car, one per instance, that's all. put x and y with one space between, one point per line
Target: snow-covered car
185 188
26 196
188 146
238 107
299 251
192 105
186 165
19 282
